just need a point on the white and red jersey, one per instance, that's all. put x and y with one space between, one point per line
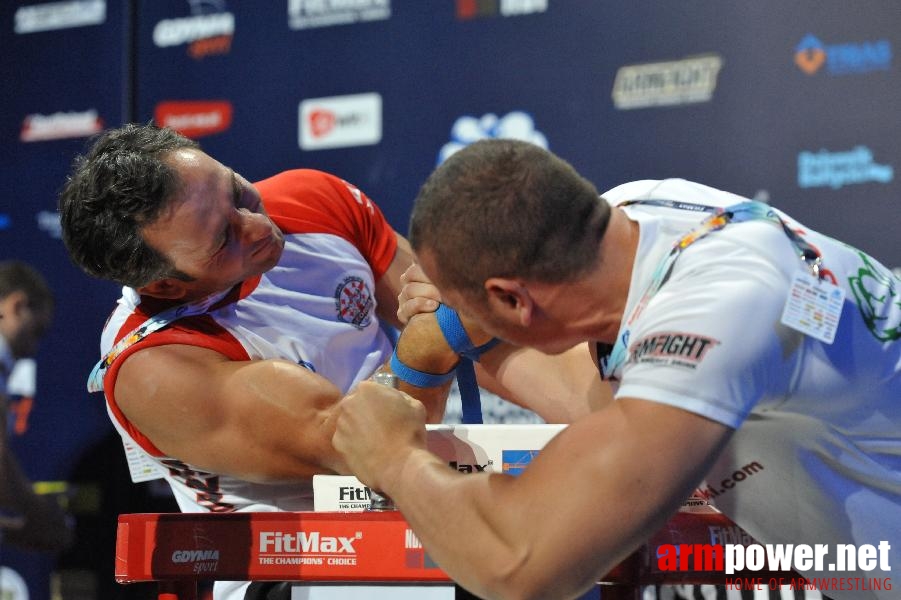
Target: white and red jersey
316 308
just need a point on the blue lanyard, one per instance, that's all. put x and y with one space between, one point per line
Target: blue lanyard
748 210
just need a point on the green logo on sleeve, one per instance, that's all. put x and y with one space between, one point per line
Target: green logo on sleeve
878 294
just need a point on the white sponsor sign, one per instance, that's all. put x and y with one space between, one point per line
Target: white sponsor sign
309 14
59 15
666 83
60 125
465 448
340 121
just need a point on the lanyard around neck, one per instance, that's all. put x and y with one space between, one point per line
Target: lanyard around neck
154 323
748 210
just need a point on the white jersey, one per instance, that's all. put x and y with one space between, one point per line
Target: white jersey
816 456
316 308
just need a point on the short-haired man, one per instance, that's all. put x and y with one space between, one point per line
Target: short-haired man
27 519
743 348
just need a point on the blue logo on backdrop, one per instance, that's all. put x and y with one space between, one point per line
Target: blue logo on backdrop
843 59
516 125
838 169
5 221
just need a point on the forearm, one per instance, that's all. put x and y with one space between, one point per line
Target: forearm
467 538
503 538
593 494
560 388
422 347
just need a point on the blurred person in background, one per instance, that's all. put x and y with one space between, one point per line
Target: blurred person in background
27 520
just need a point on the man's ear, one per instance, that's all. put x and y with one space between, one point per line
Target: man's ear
12 304
167 288
512 298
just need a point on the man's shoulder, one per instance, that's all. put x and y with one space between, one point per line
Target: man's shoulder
674 188
296 180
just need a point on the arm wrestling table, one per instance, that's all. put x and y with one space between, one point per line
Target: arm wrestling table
179 550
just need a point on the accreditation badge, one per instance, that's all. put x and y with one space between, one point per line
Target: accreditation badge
813 306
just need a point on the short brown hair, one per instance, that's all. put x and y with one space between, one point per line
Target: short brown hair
503 208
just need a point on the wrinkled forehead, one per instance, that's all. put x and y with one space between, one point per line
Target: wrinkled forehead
196 174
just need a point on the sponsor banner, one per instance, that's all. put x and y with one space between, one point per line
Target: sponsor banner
340 121
465 448
340 493
205 33
60 125
48 222
847 58
350 547
194 118
310 14
687 81
275 546
59 15
473 9
515 125
838 169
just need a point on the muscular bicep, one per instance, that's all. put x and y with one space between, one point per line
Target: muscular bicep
267 420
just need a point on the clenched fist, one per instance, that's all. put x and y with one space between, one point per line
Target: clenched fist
377 428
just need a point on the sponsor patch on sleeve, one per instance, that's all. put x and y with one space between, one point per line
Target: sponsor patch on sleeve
671 348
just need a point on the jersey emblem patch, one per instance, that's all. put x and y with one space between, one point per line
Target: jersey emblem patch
354 302
675 348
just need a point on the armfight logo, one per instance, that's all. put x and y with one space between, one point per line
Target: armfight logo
674 348
687 81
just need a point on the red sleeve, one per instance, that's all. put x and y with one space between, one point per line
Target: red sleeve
309 201
192 331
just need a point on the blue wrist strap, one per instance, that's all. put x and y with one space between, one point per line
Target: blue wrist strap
456 336
458 340
470 399
417 378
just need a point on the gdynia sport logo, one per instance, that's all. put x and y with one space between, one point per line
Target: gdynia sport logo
785 565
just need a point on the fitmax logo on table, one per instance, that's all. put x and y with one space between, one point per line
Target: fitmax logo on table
838 169
843 59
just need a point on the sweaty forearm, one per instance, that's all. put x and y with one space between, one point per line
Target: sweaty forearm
422 347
